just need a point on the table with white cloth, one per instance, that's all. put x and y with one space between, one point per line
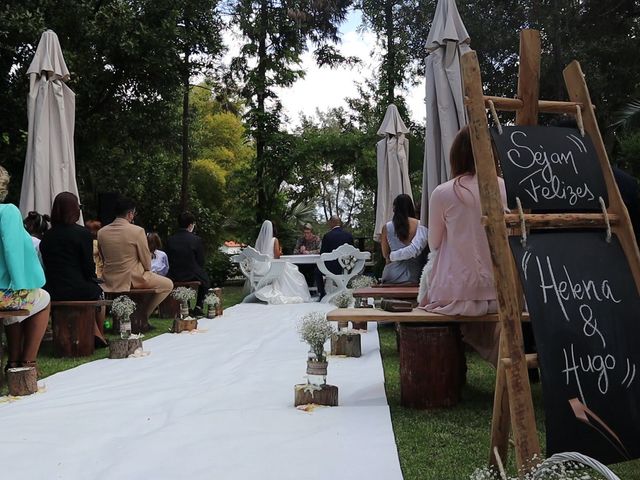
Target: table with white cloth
306 259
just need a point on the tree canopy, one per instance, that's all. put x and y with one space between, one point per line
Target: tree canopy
161 117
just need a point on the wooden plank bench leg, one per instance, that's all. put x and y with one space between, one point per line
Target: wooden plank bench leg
73 328
430 365
139 319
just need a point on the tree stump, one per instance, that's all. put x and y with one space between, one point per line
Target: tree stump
22 381
72 327
359 325
327 395
123 347
184 325
346 343
430 365
219 309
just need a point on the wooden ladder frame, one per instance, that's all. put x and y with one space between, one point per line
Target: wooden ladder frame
513 404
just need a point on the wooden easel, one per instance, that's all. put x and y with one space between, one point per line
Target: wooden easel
513 405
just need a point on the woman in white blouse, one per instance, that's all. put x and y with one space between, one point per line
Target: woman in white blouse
159 260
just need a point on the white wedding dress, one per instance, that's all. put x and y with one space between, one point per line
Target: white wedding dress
291 286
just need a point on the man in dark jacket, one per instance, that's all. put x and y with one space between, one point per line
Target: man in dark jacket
335 237
186 256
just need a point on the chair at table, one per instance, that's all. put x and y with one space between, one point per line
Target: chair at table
352 262
260 269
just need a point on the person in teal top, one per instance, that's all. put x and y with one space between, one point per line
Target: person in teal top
21 279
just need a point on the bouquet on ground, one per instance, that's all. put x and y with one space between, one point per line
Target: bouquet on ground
343 300
362 281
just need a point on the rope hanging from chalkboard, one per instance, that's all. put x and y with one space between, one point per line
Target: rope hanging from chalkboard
579 119
606 218
494 115
523 225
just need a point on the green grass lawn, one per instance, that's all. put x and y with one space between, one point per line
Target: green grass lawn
444 444
449 444
48 364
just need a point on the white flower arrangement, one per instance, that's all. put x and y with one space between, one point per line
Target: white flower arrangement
561 466
343 300
211 299
348 262
184 294
362 281
315 330
122 307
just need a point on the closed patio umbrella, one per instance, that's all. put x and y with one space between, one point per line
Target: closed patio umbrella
393 166
448 40
50 162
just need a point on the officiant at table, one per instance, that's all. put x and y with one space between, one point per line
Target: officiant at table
308 244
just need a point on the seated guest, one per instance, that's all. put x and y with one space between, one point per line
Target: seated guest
461 280
21 279
36 225
396 235
309 243
290 286
67 255
127 259
186 256
159 261
334 238
93 226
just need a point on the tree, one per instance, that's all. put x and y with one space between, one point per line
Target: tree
199 43
277 33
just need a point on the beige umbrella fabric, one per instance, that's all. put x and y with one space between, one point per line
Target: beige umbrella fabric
50 161
393 166
448 40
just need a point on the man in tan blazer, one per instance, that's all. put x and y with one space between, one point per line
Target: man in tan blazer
126 256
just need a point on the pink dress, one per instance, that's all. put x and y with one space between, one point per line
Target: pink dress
461 281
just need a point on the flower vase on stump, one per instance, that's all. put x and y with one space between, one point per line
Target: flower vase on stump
315 330
183 321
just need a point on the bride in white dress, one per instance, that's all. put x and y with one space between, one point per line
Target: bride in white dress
291 286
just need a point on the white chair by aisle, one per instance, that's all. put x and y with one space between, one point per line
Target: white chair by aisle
259 269
352 262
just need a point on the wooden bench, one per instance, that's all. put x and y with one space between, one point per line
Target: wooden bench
391 291
432 361
72 322
139 319
416 315
13 313
170 307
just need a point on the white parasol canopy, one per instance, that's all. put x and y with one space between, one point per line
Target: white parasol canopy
49 166
393 166
448 40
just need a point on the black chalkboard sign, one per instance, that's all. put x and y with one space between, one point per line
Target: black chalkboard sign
549 168
585 311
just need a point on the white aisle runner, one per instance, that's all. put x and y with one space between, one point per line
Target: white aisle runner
215 405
